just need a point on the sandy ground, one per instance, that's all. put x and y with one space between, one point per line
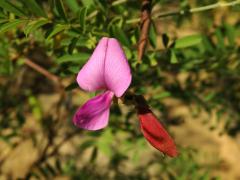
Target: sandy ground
217 150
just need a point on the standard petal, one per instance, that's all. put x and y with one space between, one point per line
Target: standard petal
94 114
91 76
117 71
155 133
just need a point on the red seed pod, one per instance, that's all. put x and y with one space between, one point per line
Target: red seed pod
154 132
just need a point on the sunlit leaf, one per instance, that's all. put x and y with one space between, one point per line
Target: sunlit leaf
104 143
34 25
173 57
82 18
11 25
153 35
57 29
162 95
188 41
73 5
78 58
87 3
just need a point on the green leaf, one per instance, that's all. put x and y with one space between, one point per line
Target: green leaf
120 35
73 5
34 25
5 4
73 69
220 39
34 7
76 58
173 58
162 95
188 41
57 29
153 35
104 143
82 18
87 3
165 40
207 44
60 9
11 25
230 32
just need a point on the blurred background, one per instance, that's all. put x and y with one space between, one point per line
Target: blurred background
189 74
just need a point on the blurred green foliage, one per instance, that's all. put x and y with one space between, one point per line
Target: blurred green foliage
61 35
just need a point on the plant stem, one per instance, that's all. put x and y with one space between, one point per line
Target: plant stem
216 5
192 10
41 70
198 9
145 25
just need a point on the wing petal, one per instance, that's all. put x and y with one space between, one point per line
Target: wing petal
94 114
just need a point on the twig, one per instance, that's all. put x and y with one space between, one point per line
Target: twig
198 9
216 5
43 71
191 10
145 24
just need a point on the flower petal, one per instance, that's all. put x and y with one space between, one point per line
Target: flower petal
117 71
91 76
155 133
94 114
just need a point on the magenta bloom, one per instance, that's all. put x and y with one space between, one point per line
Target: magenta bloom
108 70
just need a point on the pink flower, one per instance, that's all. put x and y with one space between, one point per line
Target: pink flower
108 70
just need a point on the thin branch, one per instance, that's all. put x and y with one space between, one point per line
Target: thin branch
198 9
191 10
216 5
42 71
117 2
145 24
